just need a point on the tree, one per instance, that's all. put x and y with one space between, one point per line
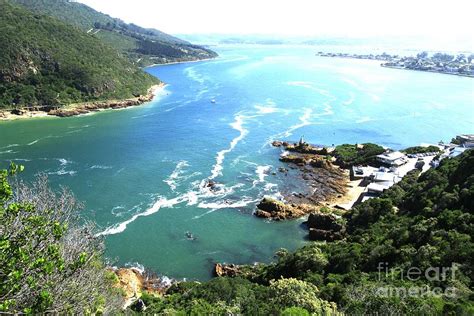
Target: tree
49 261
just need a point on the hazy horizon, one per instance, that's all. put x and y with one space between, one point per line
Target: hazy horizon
302 18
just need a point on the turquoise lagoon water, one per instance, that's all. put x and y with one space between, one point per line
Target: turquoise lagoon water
141 171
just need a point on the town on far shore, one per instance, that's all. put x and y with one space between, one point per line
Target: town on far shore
461 64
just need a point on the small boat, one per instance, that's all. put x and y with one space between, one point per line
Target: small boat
190 236
213 101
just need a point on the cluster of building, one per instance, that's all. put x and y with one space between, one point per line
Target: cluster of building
383 56
394 165
442 63
459 65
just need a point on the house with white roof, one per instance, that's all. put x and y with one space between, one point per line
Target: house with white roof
394 158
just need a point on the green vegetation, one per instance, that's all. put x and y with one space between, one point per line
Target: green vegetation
142 46
421 149
409 252
49 263
349 155
45 62
224 296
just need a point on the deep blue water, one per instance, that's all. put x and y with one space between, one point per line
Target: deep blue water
140 171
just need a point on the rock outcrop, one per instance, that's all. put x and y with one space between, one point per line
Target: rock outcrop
277 210
134 282
226 270
324 226
131 282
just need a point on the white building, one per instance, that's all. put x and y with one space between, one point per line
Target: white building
394 158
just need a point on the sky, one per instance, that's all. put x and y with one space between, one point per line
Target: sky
344 18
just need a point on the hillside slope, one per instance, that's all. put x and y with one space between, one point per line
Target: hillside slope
44 61
142 46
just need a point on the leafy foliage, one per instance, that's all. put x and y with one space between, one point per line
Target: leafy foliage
421 149
223 296
48 262
349 155
44 62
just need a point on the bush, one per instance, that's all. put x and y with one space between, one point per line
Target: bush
49 261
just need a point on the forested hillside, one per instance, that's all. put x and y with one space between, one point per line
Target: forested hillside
409 252
142 46
44 61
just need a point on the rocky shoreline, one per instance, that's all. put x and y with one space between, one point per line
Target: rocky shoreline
81 108
133 282
323 182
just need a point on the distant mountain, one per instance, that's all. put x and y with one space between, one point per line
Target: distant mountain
44 61
142 46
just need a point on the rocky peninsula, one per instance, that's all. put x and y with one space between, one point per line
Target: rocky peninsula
323 182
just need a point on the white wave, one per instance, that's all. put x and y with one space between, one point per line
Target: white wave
267 108
10 151
10 146
237 125
100 167
178 170
115 210
215 206
374 97
142 116
364 119
63 161
136 266
204 214
225 204
63 172
304 84
277 196
304 121
262 172
33 142
350 100
326 111
193 75
269 186
161 202
166 281
310 86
